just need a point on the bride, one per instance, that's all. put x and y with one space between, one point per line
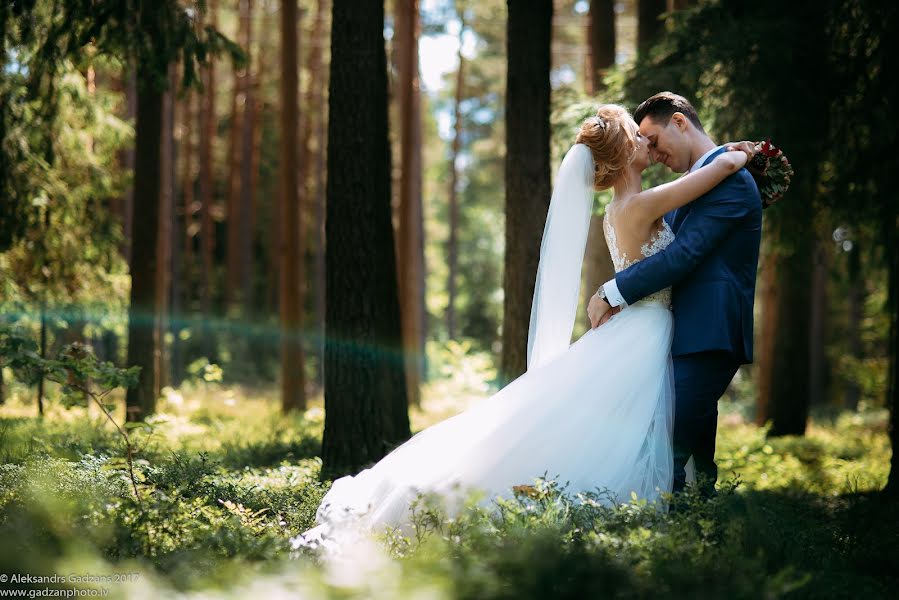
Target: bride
597 415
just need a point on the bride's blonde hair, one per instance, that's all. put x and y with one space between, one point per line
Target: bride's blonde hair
612 138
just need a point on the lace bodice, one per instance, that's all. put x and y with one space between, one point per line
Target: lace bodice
657 242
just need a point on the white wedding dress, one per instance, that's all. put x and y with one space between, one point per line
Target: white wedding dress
598 416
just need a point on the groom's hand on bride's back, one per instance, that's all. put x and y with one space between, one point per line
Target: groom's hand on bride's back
609 314
599 311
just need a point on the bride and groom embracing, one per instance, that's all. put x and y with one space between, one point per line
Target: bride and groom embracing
622 410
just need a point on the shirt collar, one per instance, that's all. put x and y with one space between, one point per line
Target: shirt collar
703 158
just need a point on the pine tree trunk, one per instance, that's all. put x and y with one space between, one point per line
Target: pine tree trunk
649 26
143 310
410 245
249 166
789 401
236 157
207 195
819 369
365 385
767 336
852 392
318 109
527 170
452 244
292 364
601 43
164 240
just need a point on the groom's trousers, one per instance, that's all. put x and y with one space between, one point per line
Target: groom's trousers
699 381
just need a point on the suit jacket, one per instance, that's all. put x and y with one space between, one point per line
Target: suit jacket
711 266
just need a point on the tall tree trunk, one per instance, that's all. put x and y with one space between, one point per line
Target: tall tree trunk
527 170
318 109
410 245
249 166
143 310
768 334
852 392
292 364
366 411
452 244
207 195
236 225
601 43
164 240
818 366
649 25
187 185
789 401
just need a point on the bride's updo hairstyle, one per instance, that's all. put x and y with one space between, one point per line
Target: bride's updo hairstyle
611 137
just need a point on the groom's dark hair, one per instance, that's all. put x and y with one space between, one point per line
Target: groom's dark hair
661 106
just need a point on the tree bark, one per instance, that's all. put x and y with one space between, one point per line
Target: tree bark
292 364
527 171
249 167
789 401
649 26
601 43
207 194
236 157
852 392
679 4
365 386
317 108
410 255
819 369
164 239
143 310
452 244
765 352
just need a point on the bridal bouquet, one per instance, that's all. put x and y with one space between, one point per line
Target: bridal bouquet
772 172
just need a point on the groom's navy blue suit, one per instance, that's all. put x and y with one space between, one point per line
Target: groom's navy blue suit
711 266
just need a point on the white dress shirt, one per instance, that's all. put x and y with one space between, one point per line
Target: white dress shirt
613 295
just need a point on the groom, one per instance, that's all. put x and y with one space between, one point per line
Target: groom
711 266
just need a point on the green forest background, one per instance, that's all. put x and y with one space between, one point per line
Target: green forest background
247 246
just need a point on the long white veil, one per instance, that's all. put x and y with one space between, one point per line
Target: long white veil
561 258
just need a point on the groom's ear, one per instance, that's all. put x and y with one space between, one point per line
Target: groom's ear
680 121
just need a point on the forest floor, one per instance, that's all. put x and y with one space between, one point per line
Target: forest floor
225 480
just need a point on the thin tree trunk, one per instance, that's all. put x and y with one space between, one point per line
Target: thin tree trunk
366 411
601 43
187 185
527 171
143 310
852 392
164 240
237 156
818 368
410 255
249 165
452 244
292 364
649 25
317 108
207 194
765 352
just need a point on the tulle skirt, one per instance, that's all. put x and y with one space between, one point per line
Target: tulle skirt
598 418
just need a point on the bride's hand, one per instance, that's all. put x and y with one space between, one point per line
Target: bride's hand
748 147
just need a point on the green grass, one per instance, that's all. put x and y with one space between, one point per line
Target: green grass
226 481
